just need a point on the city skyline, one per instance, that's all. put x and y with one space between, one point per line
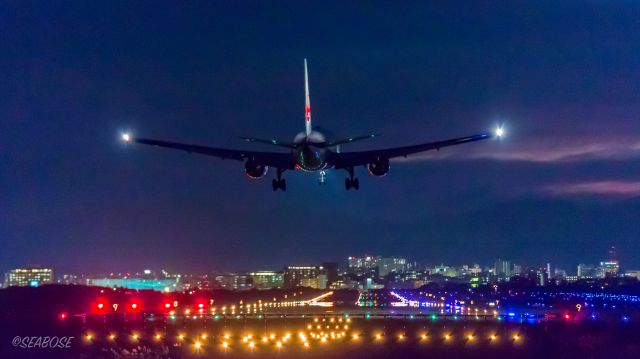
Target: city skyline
562 79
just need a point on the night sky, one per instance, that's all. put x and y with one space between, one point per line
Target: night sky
563 77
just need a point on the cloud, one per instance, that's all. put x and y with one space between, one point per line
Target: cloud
602 188
541 151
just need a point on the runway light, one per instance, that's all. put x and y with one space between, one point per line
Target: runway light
225 344
252 345
89 337
516 337
112 337
493 337
470 337
306 344
447 336
158 336
279 344
198 345
423 337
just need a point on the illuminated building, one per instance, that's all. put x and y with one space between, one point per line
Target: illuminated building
391 265
585 271
234 281
32 277
305 276
503 269
267 279
162 285
363 262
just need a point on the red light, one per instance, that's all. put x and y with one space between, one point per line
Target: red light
200 305
100 305
167 305
566 316
134 306
63 316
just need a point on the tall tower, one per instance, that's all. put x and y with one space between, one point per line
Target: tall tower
612 254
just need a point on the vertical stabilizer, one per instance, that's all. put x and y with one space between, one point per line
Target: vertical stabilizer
307 101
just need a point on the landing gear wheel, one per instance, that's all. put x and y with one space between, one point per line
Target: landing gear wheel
356 184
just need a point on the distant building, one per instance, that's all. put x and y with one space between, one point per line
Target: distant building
305 276
503 269
391 265
32 277
363 262
608 269
161 285
234 281
267 279
331 270
586 271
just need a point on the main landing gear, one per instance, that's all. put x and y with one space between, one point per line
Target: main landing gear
351 181
279 183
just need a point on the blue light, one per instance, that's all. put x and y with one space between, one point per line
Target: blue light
511 314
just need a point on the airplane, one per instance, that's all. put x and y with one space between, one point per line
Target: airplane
312 151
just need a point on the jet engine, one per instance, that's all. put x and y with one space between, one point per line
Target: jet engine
255 170
379 167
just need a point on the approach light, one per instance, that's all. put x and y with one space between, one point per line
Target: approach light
126 137
500 132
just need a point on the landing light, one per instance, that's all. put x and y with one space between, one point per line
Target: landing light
126 137
500 132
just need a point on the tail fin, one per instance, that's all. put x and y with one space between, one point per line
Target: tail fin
307 103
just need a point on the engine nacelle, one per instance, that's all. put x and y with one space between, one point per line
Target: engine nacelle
379 168
255 170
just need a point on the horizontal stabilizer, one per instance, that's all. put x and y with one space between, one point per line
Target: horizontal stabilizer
350 139
269 142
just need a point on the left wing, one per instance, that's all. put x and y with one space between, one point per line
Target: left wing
272 159
351 159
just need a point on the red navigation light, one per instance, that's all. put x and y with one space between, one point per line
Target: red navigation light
134 305
100 305
62 316
567 316
167 305
200 305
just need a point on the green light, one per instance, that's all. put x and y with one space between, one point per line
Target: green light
367 315
346 315
455 317
411 316
433 317
216 317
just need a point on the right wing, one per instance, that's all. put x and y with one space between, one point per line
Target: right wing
351 159
272 159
